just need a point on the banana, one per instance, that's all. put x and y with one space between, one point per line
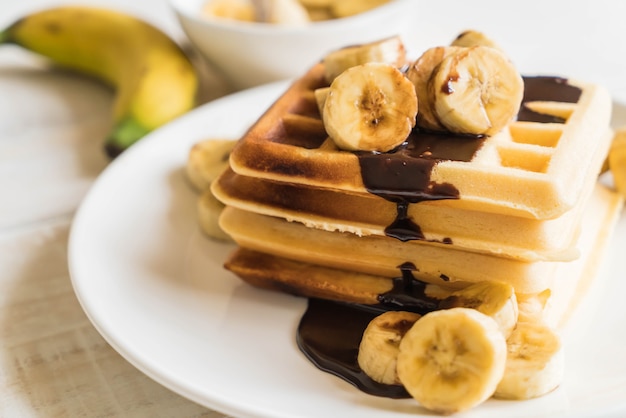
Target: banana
321 95
154 80
207 160
390 51
346 8
495 299
288 12
380 344
472 37
531 307
314 4
452 360
209 210
370 107
535 362
476 91
241 10
617 160
419 73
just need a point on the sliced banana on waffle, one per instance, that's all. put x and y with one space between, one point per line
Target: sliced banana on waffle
390 51
495 299
473 37
380 344
476 91
370 107
452 360
535 362
419 73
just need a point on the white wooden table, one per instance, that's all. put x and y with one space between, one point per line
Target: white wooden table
52 125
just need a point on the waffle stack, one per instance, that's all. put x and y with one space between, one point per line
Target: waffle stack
521 206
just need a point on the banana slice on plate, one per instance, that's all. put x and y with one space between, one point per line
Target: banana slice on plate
209 210
370 107
390 51
207 160
496 299
617 160
452 360
535 362
476 91
378 351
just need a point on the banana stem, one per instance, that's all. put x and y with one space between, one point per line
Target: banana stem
5 37
124 134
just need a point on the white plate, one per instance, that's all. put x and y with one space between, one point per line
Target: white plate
155 288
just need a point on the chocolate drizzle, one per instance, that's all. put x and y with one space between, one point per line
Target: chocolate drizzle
408 294
329 335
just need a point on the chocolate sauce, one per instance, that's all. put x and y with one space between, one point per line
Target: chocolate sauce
408 294
330 332
546 89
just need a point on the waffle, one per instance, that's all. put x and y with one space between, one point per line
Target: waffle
366 214
305 267
538 167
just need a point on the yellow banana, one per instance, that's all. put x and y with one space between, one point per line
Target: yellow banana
495 299
617 160
153 79
380 344
452 360
370 107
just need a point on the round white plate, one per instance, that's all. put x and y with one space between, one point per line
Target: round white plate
154 287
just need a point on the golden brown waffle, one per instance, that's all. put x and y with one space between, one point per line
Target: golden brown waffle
366 214
381 256
295 263
538 167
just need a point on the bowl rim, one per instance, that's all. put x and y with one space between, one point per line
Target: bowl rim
390 8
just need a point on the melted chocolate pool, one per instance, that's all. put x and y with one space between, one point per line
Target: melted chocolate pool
329 333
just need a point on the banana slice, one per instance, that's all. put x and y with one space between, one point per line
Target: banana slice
390 51
495 299
419 74
320 98
209 210
535 362
345 8
452 360
241 10
207 160
532 306
379 346
472 37
370 107
617 160
284 12
476 91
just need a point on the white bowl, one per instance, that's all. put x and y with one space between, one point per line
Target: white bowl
250 54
